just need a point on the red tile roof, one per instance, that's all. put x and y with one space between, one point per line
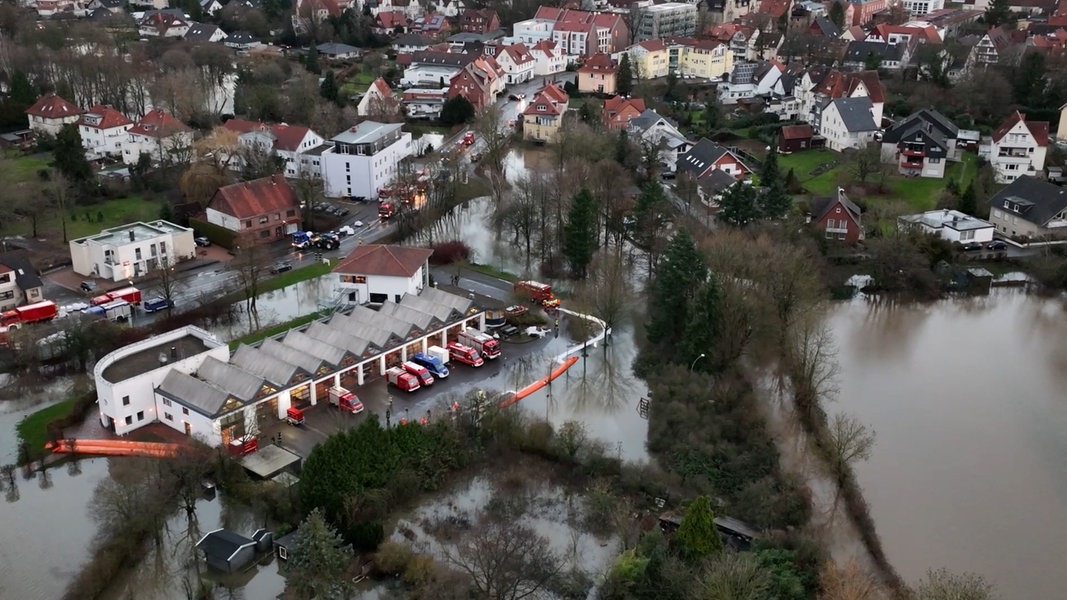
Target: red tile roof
548 47
618 110
797 132
553 100
240 126
1038 129
519 53
389 261
837 84
109 117
599 63
51 106
288 137
253 198
383 87
391 19
158 124
653 45
774 8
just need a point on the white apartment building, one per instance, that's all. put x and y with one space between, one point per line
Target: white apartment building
1017 147
517 62
670 19
103 130
132 250
364 159
951 225
548 60
918 8
159 135
291 143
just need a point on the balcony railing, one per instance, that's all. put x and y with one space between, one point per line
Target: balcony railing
911 165
912 152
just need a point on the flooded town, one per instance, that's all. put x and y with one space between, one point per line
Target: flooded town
661 301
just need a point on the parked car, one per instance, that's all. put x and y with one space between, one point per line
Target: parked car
997 245
280 267
88 286
972 247
202 241
516 97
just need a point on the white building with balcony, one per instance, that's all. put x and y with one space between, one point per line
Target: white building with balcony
364 159
132 250
103 130
951 225
1017 148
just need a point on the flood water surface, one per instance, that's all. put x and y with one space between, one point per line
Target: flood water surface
967 397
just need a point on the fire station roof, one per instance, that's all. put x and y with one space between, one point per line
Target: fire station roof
239 382
291 355
267 366
201 396
377 335
399 327
423 320
331 355
340 338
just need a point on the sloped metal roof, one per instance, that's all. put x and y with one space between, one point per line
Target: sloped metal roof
265 365
462 304
236 381
418 318
442 312
189 391
291 355
300 341
400 327
340 338
378 336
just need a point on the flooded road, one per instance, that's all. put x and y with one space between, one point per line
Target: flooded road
967 397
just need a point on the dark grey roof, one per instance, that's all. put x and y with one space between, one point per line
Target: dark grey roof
241 37
716 182
265 365
238 382
291 355
26 276
194 393
337 48
202 32
398 327
859 51
420 319
301 342
361 328
452 59
649 118
827 27
701 157
112 3
339 338
856 113
1032 199
928 119
413 39
174 12
440 310
821 206
222 544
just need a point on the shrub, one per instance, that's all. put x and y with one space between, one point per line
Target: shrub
365 536
393 558
447 253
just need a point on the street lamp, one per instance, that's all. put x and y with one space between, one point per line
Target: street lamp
702 355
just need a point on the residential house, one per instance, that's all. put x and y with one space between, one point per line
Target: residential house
338 51
543 116
860 12
997 47
410 43
260 211
132 250
51 8
896 34
685 57
548 59
431 68
377 273
618 111
950 21
919 8
19 282
103 131
743 43
480 82
227 551
242 41
660 132
922 144
706 156
159 135
295 145
712 185
432 25
1030 209
168 23
795 138
669 19
50 113
424 103
848 123
210 7
597 74
308 13
378 102
149 4
205 33
479 20
1016 148
862 55
775 9
950 225
816 87
518 63
112 6
837 217
749 80
389 23
577 32
824 27
364 159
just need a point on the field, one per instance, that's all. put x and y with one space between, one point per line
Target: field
86 220
919 192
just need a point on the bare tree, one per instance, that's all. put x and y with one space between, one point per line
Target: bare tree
165 280
847 582
308 188
506 560
942 584
608 288
734 576
850 441
250 261
495 139
812 368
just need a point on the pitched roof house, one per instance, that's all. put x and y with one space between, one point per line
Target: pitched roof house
618 111
597 74
159 135
838 217
1016 148
479 81
19 282
544 114
381 273
848 123
707 156
225 550
259 211
479 20
50 113
794 138
378 102
922 144
651 128
103 131
163 23
518 63
204 32
1030 209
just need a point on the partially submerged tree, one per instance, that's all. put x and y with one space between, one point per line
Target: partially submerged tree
580 234
506 560
697 537
319 560
942 584
734 576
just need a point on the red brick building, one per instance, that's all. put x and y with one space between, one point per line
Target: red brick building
618 111
838 217
264 210
479 20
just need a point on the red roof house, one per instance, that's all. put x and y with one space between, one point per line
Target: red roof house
103 130
479 20
379 274
50 113
794 138
838 217
619 110
598 74
261 211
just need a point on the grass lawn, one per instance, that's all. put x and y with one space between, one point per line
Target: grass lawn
87 220
288 278
804 162
491 271
267 332
26 167
33 428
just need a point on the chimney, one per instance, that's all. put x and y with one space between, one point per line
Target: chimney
131 236
174 353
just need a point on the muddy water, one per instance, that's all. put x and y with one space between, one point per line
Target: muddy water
968 400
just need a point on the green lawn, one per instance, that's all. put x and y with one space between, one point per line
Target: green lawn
295 276
33 429
26 167
86 220
804 162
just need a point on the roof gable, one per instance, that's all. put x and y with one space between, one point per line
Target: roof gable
158 124
389 261
821 207
103 117
1038 129
1032 199
249 199
51 106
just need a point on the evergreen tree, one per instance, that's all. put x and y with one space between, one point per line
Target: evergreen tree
624 79
650 214
679 275
791 181
1029 82
311 59
770 172
697 536
456 110
774 201
704 326
329 89
69 156
712 115
622 147
998 13
969 201
22 91
319 559
580 233
738 206
837 14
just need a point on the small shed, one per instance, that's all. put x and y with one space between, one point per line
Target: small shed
270 461
227 551
283 545
794 138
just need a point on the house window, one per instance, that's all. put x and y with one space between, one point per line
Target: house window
137 254
163 248
933 161
966 235
129 420
353 278
140 415
264 233
125 400
290 213
168 416
247 223
185 411
264 219
166 402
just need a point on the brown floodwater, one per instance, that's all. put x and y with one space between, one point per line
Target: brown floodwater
969 401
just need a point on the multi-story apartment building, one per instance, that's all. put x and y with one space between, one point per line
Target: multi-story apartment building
576 32
922 144
50 113
159 135
364 159
103 130
670 19
132 250
1017 148
918 8
543 117
705 59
